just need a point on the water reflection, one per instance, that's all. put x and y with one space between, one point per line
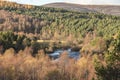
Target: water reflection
71 54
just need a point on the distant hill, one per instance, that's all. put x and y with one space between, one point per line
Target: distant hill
57 23
106 9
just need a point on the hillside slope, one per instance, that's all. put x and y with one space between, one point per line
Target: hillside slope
19 22
56 23
107 9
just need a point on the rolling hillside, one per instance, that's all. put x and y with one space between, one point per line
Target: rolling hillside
28 34
107 9
56 23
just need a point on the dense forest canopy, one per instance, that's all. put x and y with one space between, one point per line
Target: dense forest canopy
48 21
25 28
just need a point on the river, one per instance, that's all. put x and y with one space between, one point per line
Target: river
71 54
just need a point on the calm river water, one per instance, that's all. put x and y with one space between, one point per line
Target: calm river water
71 54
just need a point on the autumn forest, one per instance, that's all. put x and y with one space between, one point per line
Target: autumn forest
87 44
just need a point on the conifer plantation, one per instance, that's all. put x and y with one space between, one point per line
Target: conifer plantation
30 34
